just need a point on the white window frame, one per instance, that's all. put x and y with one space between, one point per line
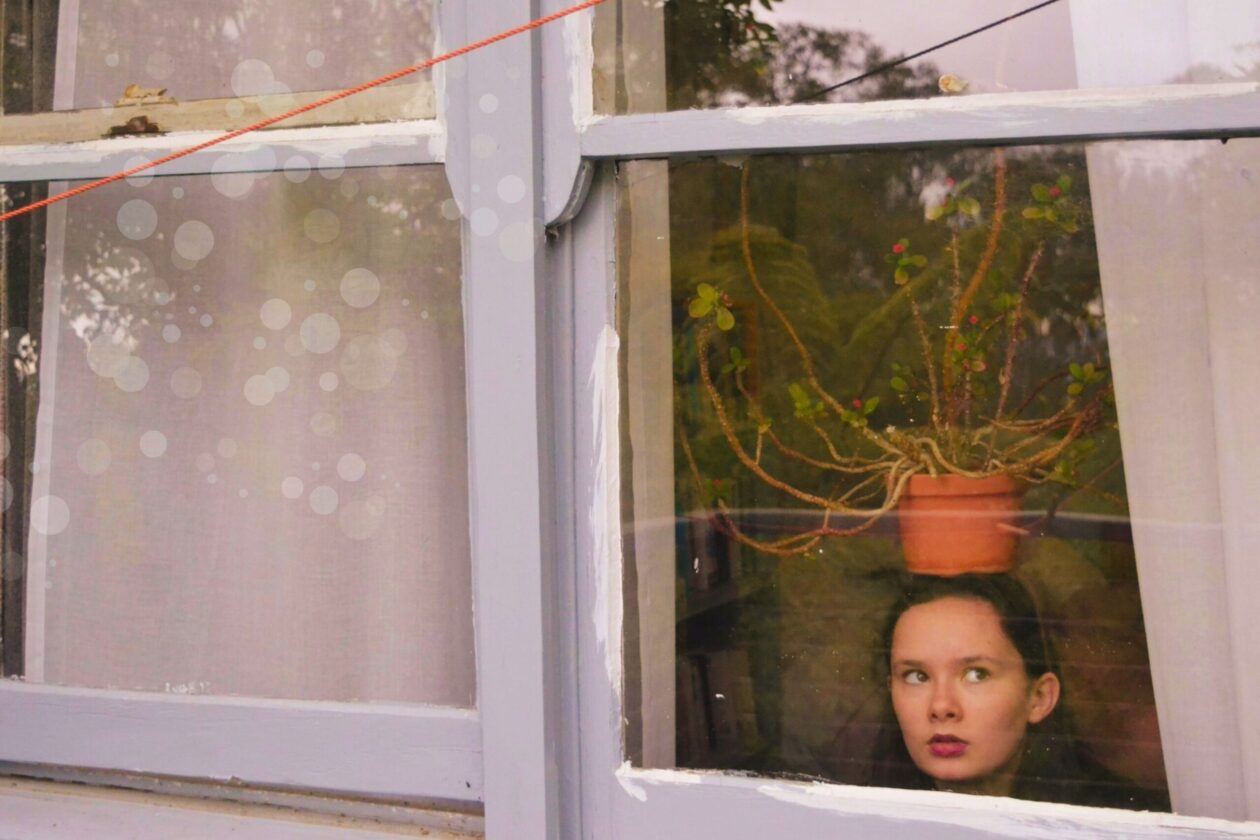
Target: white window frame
383 751
621 802
543 750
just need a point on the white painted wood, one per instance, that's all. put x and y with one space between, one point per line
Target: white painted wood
393 144
67 54
236 797
394 103
566 100
51 812
494 163
597 489
712 806
36 578
1173 111
387 750
1156 272
647 276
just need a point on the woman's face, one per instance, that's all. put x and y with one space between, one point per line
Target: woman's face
961 695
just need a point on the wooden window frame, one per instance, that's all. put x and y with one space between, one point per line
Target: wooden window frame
621 802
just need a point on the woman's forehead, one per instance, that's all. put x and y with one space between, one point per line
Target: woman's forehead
951 628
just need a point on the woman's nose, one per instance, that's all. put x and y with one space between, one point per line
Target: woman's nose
944 704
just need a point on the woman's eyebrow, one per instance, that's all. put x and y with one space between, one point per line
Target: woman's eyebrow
907 663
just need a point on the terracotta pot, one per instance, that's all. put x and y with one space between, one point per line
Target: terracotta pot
951 525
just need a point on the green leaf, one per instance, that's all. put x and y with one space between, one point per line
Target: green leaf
737 355
1088 370
969 205
898 384
919 261
1041 192
934 213
870 405
1033 213
1064 183
901 277
1071 227
707 292
699 307
725 320
903 242
1075 388
1076 370
1051 215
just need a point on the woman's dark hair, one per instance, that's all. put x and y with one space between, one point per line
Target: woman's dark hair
1050 768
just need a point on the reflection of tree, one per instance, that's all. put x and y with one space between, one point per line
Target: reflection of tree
205 42
718 54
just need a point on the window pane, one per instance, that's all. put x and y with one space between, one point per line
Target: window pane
248 471
224 48
727 53
808 341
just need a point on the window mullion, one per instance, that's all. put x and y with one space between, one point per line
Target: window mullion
493 162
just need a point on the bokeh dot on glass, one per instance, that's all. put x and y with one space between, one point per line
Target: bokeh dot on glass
153 444
351 467
323 500
259 390
360 288
320 333
275 314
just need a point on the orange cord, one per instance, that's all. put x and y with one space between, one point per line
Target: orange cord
398 74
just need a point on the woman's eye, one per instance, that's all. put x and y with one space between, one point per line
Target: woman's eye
975 675
914 677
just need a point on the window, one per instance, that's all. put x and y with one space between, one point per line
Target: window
588 169
211 359
736 659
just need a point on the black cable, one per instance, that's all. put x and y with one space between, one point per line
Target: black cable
883 68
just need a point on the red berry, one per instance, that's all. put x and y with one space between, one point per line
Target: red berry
898 248
973 320
857 403
949 182
1055 192
961 346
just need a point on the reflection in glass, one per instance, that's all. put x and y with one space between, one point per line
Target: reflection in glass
226 48
808 339
729 53
247 475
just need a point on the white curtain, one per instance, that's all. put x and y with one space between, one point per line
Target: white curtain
1176 224
250 453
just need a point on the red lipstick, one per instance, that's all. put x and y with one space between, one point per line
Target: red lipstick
947 746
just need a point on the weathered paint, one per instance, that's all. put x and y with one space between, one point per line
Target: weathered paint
1173 111
393 144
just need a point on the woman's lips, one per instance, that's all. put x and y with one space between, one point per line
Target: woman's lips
947 746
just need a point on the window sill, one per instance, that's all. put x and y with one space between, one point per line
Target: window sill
51 811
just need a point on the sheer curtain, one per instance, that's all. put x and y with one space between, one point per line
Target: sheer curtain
1176 225
250 455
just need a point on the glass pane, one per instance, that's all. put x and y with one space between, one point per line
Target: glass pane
225 48
682 54
247 476
879 529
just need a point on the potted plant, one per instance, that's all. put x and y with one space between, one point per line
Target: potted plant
957 471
